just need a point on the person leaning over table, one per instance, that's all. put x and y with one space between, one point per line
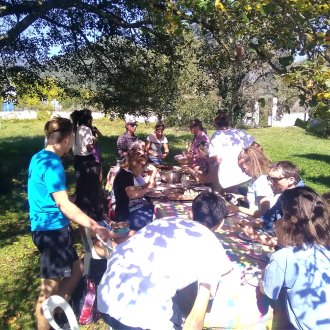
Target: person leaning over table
164 276
255 164
50 214
157 145
283 175
225 146
125 141
130 188
299 272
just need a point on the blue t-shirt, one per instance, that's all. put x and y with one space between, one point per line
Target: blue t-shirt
304 272
45 176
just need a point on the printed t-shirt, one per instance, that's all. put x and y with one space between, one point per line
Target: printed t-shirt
156 145
81 139
145 272
228 144
304 273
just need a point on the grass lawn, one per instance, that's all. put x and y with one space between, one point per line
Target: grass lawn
19 140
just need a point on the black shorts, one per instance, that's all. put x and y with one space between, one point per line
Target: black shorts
57 252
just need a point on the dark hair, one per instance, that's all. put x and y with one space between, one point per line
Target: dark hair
57 129
305 218
89 192
209 209
159 125
222 120
196 123
81 117
288 169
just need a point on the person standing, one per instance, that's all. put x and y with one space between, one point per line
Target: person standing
125 141
50 214
83 142
199 133
157 145
225 146
164 276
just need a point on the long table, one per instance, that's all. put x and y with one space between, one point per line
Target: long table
235 305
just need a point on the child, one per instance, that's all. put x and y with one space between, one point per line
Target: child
300 271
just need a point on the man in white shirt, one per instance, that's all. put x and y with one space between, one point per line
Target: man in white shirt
226 144
142 286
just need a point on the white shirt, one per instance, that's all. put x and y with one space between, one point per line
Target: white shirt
81 139
228 144
259 187
145 272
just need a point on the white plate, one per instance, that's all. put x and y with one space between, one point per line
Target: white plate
244 237
160 188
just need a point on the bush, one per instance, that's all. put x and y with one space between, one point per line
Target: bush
319 127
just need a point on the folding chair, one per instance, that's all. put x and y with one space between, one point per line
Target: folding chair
90 252
49 306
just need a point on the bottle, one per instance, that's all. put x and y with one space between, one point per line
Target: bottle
231 199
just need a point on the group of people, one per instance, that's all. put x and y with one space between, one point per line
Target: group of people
164 276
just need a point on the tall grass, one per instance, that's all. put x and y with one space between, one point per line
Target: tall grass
19 140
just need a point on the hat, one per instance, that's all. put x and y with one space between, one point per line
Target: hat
130 119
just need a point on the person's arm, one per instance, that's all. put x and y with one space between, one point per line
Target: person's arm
166 150
73 213
195 319
121 146
96 131
263 203
148 151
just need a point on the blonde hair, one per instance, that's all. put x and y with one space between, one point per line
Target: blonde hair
258 161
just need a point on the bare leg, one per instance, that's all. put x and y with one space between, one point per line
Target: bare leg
48 287
68 284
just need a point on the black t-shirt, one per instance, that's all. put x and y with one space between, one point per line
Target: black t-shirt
124 205
122 180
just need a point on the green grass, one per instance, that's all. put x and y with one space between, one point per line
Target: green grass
19 140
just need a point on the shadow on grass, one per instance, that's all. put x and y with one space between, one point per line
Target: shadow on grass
322 158
19 289
321 179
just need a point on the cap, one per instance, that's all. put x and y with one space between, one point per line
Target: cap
130 119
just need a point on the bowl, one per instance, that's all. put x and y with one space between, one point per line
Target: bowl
182 160
171 176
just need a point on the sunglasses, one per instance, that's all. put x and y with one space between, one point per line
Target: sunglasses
272 179
132 124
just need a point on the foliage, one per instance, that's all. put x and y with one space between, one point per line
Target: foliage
196 91
238 36
128 78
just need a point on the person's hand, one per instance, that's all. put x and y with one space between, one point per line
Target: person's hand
232 208
103 232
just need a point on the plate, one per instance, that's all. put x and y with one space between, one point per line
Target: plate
244 237
156 194
160 188
173 196
202 188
